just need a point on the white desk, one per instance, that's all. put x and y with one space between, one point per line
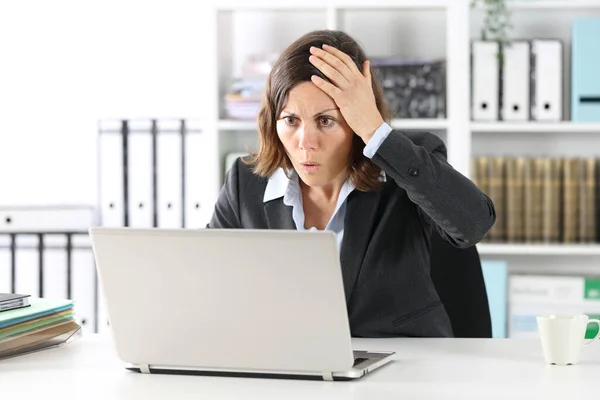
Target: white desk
423 369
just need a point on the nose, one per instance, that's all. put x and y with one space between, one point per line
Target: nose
308 137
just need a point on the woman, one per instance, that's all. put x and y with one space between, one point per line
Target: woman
328 160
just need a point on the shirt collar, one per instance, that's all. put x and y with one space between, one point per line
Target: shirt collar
279 183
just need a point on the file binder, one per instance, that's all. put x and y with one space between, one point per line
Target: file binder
27 260
56 218
485 80
585 67
54 266
140 175
195 207
169 172
82 282
516 81
111 145
495 275
547 80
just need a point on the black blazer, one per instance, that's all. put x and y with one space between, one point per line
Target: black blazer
385 254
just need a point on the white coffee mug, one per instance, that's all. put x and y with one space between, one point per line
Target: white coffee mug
563 337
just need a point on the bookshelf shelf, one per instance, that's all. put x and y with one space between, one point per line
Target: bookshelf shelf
554 5
407 124
344 4
535 127
421 124
539 249
237 125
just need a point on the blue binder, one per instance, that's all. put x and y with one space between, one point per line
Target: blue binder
495 276
585 70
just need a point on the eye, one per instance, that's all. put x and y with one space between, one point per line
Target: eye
291 121
325 121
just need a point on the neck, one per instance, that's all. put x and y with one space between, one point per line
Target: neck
324 194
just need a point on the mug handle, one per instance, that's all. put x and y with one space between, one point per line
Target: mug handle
594 321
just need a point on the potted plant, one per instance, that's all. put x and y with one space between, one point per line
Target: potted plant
497 21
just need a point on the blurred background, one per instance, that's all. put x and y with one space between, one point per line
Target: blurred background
128 113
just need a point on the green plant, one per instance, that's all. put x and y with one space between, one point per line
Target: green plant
497 22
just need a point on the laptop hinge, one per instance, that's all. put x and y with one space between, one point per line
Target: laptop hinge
327 376
144 368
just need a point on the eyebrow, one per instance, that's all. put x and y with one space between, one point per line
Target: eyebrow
291 114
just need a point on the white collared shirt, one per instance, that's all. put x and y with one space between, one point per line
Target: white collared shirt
280 185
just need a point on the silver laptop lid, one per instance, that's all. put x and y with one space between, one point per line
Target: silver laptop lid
225 299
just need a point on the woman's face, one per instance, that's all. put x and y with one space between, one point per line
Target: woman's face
316 137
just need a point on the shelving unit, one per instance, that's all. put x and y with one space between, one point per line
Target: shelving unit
383 27
535 127
539 249
405 124
549 19
387 27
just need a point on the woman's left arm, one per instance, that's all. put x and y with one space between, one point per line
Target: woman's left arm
417 162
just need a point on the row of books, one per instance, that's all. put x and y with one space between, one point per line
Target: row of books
542 199
38 324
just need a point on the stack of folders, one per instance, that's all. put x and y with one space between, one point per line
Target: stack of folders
44 323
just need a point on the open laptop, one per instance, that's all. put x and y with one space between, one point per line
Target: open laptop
257 303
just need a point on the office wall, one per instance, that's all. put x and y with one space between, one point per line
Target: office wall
64 64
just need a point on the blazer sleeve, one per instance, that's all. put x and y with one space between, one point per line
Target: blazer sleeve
417 162
227 211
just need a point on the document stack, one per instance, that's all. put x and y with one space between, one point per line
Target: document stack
532 295
44 323
243 100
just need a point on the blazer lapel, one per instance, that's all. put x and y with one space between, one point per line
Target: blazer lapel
358 227
279 216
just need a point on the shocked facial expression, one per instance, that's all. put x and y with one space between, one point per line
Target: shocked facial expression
316 137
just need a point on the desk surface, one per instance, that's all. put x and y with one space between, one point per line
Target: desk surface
423 368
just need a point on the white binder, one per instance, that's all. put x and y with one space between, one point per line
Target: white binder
169 175
112 201
485 80
196 210
5 265
548 80
516 81
46 218
83 272
140 205
27 273
55 267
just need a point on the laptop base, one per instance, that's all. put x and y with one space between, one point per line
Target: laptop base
365 362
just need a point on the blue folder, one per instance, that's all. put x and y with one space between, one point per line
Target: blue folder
495 275
585 70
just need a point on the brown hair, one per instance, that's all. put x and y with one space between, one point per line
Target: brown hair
292 67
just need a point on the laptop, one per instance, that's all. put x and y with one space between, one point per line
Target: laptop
228 302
